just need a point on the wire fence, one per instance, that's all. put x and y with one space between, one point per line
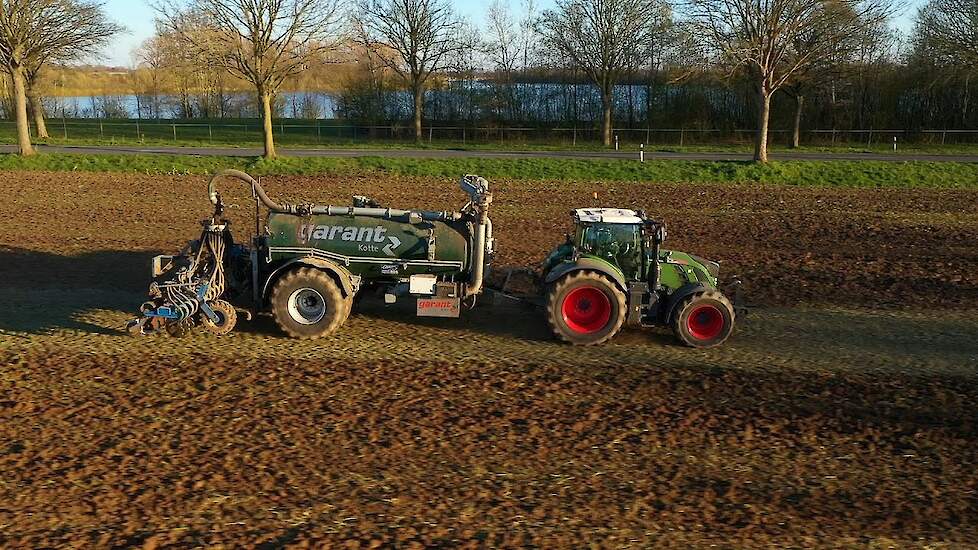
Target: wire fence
327 132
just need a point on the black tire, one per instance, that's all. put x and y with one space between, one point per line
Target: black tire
227 318
703 320
585 308
307 304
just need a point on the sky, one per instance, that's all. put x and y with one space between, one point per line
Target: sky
137 16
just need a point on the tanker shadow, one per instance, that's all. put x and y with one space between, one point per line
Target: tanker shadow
503 318
45 291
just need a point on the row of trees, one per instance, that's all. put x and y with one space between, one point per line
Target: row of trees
793 47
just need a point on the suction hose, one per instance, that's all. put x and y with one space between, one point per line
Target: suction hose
256 188
307 209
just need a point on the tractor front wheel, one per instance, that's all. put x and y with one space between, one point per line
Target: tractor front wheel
307 304
703 320
585 308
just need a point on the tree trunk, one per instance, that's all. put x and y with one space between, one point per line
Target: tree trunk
37 108
418 111
266 116
20 111
763 116
796 133
606 102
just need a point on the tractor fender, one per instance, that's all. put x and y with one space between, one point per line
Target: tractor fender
337 271
589 264
678 296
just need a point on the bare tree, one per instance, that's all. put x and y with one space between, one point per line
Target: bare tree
36 32
34 100
762 37
261 41
950 29
510 46
605 39
945 40
414 38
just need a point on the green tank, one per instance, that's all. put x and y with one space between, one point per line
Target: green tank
309 262
375 248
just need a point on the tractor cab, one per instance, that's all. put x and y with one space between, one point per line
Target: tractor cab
624 238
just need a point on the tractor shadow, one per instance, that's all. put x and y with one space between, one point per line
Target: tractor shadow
44 291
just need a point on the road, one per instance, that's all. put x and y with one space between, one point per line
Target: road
454 153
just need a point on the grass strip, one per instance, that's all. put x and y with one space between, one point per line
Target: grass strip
834 173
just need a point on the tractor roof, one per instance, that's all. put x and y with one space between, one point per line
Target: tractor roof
607 215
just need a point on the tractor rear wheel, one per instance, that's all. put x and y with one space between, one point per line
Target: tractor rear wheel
703 320
307 304
585 308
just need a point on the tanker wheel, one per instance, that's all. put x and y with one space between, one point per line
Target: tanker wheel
227 317
307 304
585 308
703 320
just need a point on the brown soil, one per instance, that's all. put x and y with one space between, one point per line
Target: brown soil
832 426
872 247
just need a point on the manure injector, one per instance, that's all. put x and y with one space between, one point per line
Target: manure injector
307 262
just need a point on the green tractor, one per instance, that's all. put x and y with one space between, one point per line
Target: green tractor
613 272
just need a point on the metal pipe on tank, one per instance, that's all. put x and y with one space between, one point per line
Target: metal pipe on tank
301 209
478 189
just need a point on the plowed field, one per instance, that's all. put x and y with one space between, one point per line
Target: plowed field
842 414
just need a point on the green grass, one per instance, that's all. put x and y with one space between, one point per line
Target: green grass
801 173
294 142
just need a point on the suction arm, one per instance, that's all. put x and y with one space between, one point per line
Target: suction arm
256 188
307 209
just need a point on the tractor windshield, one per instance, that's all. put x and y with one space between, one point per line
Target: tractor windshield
619 244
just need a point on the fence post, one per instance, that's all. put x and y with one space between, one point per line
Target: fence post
319 132
943 136
870 140
641 152
210 132
101 131
137 131
463 135
174 132
64 126
430 131
682 136
575 136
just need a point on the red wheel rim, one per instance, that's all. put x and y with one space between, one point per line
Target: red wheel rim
705 322
586 309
